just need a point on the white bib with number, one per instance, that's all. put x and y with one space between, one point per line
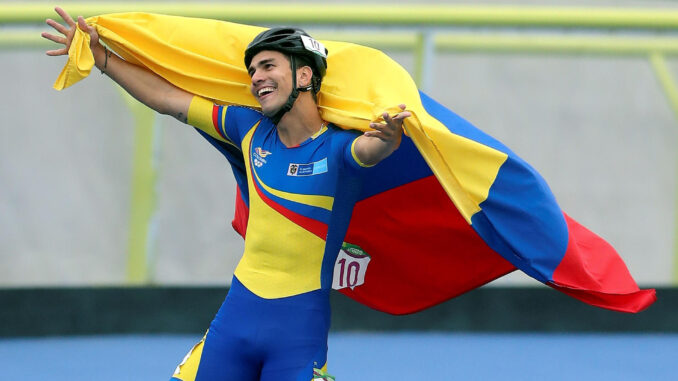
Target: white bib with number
350 267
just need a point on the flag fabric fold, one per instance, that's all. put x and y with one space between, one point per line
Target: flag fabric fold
449 211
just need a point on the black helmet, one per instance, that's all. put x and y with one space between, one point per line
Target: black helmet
293 42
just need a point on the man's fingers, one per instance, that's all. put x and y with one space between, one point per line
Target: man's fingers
51 37
82 24
397 119
387 117
57 52
402 115
399 116
89 30
381 126
391 125
65 16
59 28
376 134
381 130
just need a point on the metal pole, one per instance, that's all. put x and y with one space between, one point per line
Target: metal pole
143 196
428 56
671 90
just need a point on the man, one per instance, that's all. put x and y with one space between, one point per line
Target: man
301 177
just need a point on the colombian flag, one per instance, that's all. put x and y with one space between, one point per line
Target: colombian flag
449 211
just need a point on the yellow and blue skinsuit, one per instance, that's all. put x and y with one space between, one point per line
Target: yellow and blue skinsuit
274 322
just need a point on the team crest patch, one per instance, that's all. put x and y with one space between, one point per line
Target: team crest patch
308 169
259 156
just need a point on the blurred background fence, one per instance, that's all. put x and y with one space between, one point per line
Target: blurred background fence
97 192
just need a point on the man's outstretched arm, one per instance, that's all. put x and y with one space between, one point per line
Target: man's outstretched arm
376 145
144 85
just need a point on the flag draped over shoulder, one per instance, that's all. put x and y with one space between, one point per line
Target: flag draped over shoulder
449 211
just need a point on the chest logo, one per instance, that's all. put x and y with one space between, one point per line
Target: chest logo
259 156
309 169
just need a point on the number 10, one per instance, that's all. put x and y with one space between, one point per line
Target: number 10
348 273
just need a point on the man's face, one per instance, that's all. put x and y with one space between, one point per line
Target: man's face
271 80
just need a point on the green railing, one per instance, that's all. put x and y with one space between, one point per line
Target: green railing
424 30
370 14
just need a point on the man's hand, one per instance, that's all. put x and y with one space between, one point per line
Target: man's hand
68 32
374 146
144 85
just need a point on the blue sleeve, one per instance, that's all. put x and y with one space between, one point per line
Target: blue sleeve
350 162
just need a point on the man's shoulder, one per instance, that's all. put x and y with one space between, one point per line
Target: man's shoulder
245 117
338 131
245 110
341 138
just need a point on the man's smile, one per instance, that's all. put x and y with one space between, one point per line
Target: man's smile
265 91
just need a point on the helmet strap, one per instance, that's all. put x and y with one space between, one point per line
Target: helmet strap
293 95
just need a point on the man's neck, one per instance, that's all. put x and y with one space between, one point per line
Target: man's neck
300 123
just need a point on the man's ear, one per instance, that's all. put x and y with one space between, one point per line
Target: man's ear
304 75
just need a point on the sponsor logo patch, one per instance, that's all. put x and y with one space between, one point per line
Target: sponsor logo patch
309 169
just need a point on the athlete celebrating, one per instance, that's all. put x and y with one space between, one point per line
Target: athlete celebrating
300 177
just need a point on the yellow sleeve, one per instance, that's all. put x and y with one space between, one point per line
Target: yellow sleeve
204 115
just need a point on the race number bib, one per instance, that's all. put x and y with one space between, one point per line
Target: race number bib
350 268
314 46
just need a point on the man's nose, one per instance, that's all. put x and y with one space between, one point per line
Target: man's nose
257 77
